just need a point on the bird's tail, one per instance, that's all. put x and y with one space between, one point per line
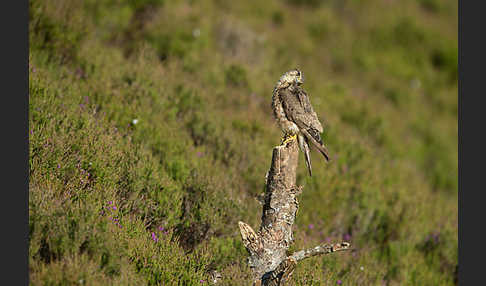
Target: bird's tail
304 146
318 145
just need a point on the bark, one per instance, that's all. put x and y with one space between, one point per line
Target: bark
268 247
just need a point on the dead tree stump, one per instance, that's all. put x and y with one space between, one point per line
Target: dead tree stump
268 247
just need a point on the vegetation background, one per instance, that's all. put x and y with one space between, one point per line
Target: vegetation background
151 132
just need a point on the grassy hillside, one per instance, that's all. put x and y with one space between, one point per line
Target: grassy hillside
151 132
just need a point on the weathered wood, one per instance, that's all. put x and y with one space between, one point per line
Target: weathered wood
268 247
320 249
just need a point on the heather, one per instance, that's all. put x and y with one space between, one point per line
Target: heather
151 131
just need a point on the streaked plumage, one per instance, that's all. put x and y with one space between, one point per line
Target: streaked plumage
295 115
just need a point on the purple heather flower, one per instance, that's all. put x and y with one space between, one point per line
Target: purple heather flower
339 282
436 237
201 281
114 207
347 236
199 154
311 226
58 166
154 237
161 228
110 202
328 239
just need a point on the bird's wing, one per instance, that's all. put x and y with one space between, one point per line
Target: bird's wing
298 109
310 113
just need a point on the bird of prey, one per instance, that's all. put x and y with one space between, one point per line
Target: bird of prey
295 115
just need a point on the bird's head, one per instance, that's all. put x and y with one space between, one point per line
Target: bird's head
292 77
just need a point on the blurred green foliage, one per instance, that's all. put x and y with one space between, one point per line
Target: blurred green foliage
235 75
151 133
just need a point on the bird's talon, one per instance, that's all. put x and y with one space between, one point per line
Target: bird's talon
288 139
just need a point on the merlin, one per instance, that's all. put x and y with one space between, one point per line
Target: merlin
295 115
